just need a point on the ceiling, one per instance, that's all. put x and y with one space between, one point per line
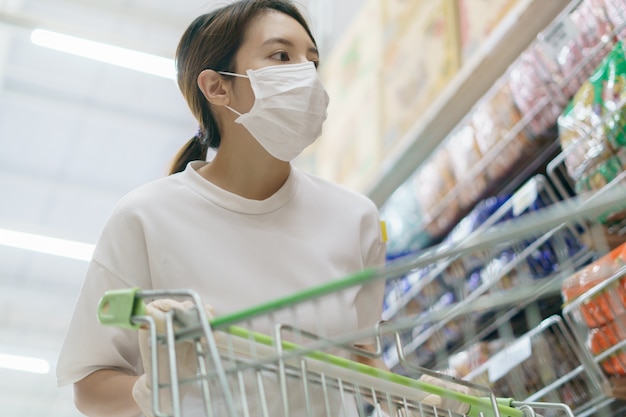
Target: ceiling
76 135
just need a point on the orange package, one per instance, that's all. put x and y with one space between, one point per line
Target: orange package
605 337
604 306
620 262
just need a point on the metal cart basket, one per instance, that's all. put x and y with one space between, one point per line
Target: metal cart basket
265 361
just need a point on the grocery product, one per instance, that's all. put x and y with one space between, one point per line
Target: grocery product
598 173
529 87
467 165
433 185
404 219
591 129
603 306
614 101
464 273
500 141
616 15
593 28
604 337
524 366
580 133
570 51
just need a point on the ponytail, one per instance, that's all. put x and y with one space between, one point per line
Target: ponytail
193 150
197 147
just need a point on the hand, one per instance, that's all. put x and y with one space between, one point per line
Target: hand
446 403
186 358
427 402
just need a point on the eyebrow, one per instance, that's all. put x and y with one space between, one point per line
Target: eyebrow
288 43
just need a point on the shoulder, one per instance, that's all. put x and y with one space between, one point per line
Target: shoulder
158 196
126 221
338 195
164 193
151 192
353 213
123 244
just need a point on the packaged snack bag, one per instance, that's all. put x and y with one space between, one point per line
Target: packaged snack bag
616 15
592 128
604 306
529 86
404 220
580 130
593 27
465 156
432 184
605 337
500 141
572 50
598 173
614 101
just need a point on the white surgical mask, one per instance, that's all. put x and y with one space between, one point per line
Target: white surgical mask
289 108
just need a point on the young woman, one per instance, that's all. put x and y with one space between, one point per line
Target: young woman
246 227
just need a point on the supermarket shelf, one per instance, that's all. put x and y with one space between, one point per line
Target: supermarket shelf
517 298
480 303
474 79
505 298
460 311
537 185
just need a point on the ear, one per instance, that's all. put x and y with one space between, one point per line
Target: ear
214 87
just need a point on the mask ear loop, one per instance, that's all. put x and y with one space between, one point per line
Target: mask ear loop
234 75
234 111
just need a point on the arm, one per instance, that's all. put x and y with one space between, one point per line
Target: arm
106 393
112 392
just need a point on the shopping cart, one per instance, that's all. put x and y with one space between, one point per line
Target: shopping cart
261 361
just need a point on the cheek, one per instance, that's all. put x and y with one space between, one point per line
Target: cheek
243 96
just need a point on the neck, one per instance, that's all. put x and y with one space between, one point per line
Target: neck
249 174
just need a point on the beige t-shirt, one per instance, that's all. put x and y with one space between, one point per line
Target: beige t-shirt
182 231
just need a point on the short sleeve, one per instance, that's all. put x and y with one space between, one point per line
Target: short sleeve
88 345
369 299
120 261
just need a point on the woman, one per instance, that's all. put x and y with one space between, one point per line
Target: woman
247 227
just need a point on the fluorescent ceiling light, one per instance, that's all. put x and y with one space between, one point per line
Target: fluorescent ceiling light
24 363
127 58
45 244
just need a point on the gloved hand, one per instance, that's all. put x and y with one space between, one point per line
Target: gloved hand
186 358
428 401
446 403
432 400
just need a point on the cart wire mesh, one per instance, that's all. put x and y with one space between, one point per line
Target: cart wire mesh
284 357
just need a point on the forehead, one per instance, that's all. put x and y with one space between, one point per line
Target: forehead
272 24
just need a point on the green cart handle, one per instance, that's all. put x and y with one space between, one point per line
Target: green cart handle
118 307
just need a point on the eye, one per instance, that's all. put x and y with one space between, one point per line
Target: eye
315 62
281 56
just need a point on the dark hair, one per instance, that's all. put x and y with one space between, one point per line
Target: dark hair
212 41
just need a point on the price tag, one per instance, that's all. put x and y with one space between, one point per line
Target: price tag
509 358
524 197
554 39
